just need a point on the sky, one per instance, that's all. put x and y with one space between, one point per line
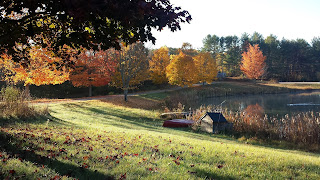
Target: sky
289 19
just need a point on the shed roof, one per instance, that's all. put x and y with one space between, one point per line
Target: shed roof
215 117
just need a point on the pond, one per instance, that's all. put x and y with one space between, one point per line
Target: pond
270 104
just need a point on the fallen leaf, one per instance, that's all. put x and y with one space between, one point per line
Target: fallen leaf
123 176
177 162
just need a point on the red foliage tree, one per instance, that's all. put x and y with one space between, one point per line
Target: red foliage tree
93 68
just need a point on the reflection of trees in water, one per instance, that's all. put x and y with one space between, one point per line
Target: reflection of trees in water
253 114
274 105
254 117
254 111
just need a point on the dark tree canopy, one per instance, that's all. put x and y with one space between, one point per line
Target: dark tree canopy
91 24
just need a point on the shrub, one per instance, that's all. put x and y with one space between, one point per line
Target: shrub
302 129
14 104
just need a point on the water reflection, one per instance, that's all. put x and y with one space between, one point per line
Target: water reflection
253 112
270 104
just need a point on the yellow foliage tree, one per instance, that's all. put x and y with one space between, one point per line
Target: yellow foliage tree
253 62
158 64
132 67
181 71
206 67
41 68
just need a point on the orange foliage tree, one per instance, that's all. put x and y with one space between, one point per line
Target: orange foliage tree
93 68
41 68
253 62
206 67
158 64
181 71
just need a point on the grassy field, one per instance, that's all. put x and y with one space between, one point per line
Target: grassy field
106 140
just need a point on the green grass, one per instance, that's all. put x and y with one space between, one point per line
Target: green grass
155 96
98 140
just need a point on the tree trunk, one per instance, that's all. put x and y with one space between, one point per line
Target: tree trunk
125 91
90 91
27 91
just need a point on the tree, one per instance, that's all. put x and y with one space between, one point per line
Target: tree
89 24
181 71
253 62
187 49
296 57
211 44
232 59
132 67
93 68
257 38
273 61
206 67
42 68
315 56
158 64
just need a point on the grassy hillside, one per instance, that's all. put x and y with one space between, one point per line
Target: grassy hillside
100 140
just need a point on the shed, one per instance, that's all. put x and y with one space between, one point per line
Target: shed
214 122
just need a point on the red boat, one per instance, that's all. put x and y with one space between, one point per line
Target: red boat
178 123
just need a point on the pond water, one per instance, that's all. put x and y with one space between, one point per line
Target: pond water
270 104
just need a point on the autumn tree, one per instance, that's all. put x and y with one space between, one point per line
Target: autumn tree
93 68
187 49
89 24
206 67
132 67
181 71
253 62
41 68
158 64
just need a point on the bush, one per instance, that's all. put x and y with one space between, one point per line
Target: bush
14 104
302 129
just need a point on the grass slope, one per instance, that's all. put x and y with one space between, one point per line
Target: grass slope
100 140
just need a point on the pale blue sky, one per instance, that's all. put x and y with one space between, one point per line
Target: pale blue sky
290 19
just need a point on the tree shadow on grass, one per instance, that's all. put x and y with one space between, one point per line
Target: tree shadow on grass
127 120
201 173
64 169
131 120
40 119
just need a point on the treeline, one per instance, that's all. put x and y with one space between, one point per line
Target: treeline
126 69
287 60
